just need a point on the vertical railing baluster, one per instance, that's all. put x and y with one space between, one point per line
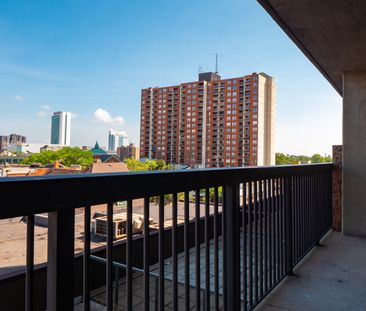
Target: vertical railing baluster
261 216
278 237
232 248
86 259
186 250
322 201
308 223
304 209
317 210
330 202
250 244
223 239
288 224
109 272
270 235
161 253
216 247
283 227
295 217
244 246
129 257
311 210
197 245
256 290
30 264
299 220
60 273
266 242
146 254
207 249
175 251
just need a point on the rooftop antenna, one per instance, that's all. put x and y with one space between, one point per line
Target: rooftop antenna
199 69
216 63
217 55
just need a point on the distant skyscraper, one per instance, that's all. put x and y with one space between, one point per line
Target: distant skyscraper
61 128
131 151
11 139
4 140
117 139
17 139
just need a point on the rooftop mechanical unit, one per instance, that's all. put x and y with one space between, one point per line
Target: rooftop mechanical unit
120 225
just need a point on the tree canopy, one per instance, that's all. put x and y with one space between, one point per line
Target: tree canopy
282 159
150 165
66 156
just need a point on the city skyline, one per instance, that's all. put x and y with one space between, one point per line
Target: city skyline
117 139
52 69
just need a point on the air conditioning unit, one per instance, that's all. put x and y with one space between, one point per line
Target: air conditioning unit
120 225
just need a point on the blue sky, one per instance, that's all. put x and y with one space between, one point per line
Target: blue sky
93 57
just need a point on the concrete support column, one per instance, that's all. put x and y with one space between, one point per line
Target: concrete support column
354 153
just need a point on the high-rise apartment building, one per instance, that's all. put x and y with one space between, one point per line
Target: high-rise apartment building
212 122
117 139
4 140
61 128
11 139
130 151
17 139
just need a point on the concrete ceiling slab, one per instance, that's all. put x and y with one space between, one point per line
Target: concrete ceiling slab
331 33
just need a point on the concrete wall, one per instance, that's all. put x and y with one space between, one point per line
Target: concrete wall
266 120
354 153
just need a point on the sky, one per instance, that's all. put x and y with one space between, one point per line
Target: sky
93 57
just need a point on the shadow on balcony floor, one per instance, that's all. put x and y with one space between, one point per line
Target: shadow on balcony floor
332 277
99 299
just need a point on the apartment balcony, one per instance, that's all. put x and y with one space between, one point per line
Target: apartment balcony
223 249
331 35
238 239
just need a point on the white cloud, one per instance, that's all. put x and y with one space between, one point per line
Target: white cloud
42 113
104 116
19 98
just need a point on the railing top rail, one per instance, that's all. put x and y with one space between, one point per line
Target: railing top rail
31 195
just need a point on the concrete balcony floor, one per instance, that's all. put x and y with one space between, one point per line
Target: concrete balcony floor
331 277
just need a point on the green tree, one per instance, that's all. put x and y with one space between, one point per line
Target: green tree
135 165
151 165
317 158
67 156
282 159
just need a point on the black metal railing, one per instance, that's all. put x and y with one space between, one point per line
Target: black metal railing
244 230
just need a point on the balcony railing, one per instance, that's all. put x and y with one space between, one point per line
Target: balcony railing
250 227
